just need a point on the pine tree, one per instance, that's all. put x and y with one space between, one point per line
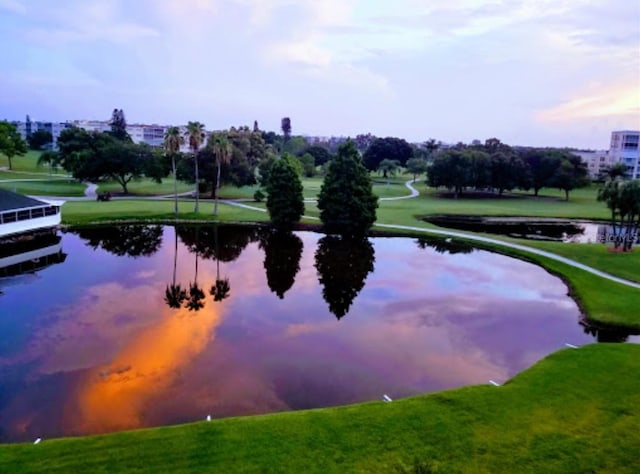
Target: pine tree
346 201
285 202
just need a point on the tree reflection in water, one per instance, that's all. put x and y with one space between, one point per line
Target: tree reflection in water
343 265
130 240
174 295
441 245
282 253
606 334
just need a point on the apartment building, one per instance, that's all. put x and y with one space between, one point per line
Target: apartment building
625 149
598 161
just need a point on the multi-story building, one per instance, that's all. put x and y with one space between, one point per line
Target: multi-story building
28 127
598 161
625 149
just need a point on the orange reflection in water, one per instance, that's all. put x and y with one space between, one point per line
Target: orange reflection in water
116 397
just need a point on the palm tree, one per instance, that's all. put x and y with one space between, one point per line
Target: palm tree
222 149
195 134
175 295
172 142
221 289
196 295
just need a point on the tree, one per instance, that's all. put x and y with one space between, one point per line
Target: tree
364 141
222 150
388 168
416 166
131 240
346 200
173 139
39 139
119 125
285 125
195 135
174 294
285 202
11 143
450 169
387 148
507 170
542 165
308 165
49 158
572 173
617 170
343 264
320 154
623 199
282 253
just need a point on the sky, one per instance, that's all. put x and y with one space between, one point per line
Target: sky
529 72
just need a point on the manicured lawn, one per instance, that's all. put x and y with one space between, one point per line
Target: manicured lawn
145 187
28 163
46 187
86 212
575 411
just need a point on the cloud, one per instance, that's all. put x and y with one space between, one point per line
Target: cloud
599 100
13 6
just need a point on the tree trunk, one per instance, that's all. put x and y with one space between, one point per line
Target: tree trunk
9 158
215 205
535 191
175 188
566 194
195 159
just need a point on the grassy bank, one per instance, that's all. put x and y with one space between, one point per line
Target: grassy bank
575 411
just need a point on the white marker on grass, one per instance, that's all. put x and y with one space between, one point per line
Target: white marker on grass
386 398
493 382
37 441
570 345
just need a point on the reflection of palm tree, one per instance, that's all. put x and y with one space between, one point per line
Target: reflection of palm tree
196 295
175 295
221 289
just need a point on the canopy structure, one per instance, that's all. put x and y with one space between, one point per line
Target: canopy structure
19 214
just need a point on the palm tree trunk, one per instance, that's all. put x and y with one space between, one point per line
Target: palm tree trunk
215 205
175 189
195 156
175 255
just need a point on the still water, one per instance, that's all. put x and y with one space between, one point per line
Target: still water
139 326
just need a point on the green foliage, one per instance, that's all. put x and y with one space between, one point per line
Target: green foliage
11 143
623 199
416 166
320 154
308 165
285 125
39 139
346 200
99 156
389 167
572 173
295 145
389 148
119 125
258 196
264 169
285 202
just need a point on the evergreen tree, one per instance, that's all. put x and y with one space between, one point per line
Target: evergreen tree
119 125
346 201
284 202
285 125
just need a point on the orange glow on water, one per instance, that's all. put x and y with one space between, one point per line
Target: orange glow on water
116 396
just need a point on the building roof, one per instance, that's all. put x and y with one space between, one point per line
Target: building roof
10 201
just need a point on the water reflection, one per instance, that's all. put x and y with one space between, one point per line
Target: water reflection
343 264
607 334
123 240
111 345
444 245
282 253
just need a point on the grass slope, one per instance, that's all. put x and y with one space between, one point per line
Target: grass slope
575 411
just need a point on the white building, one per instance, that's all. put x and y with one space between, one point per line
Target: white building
598 161
19 214
28 127
624 149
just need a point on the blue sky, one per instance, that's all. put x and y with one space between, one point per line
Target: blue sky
530 72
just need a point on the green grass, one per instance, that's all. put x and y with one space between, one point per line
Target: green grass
145 187
47 187
90 212
28 163
573 412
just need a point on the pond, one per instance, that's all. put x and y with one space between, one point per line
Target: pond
558 230
114 328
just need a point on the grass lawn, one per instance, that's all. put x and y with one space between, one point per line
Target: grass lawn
575 411
46 187
28 163
145 187
87 212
